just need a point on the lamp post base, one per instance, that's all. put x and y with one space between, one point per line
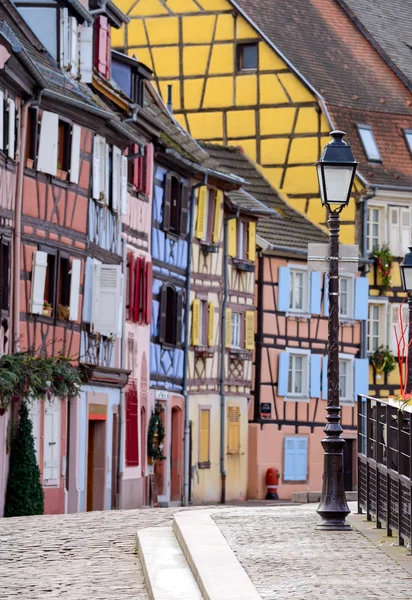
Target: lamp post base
333 507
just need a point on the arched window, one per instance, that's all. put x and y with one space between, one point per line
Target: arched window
170 316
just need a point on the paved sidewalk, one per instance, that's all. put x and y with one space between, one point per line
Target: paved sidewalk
92 556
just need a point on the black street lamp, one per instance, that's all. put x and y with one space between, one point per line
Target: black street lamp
406 274
336 170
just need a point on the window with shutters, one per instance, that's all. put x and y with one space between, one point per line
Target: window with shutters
57 287
375 228
299 291
170 316
204 438
135 167
32 136
210 215
233 430
176 205
295 459
132 439
8 126
400 230
4 277
235 337
346 379
139 283
376 326
241 240
298 376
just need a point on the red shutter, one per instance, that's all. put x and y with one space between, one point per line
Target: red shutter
132 438
148 168
148 296
109 53
137 289
101 37
140 164
130 274
135 172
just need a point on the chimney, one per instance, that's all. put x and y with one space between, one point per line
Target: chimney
169 99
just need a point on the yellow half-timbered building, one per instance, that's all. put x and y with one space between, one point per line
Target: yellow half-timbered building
230 85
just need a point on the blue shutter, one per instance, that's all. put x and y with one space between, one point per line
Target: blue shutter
361 298
361 377
289 467
326 296
283 374
315 292
296 459
301 458
315 375
284 289
325 378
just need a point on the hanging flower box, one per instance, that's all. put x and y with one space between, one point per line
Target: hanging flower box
204 352
209 248
243 265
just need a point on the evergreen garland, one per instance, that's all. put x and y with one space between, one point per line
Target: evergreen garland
24 495
155 437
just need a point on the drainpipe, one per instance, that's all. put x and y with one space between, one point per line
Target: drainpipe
223 356
186 457
17 220
170 99
122 420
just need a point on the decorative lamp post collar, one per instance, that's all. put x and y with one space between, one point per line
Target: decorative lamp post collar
336 170
406 271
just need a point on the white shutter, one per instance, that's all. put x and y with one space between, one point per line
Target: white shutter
73 51
1 120
64 37
116 179
11 135
106 299
34 414
123 186
75 154
405 230
74 289
394 230
97 159
38 282
48 143
86 54
121 304
51 471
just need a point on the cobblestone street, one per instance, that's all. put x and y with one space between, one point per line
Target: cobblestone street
92 556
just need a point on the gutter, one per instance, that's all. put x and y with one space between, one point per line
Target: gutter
78 7
198 167
186 439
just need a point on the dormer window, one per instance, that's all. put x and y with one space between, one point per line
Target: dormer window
42 22
369 144
130 76
408 138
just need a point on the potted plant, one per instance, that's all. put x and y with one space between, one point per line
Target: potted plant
47 309
382 360
384 262
63 312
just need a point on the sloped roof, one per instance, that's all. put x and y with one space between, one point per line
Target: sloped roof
389 25
357 85
246 202
286 227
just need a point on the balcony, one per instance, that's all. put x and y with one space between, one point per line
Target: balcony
385 465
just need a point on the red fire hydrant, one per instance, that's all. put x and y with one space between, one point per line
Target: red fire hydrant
272 482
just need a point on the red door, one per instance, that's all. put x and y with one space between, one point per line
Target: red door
176 455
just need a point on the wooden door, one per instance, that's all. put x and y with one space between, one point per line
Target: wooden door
176 456
90 465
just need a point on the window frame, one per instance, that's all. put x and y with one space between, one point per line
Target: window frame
364 127
240 56
382 335
406 133
51 4
304 396
294 270
236 327
176 310
348 360
391 342
349 316
381 223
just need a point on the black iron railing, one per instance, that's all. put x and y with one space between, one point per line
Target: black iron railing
385 466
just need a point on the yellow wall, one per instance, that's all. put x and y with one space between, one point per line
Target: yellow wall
271 113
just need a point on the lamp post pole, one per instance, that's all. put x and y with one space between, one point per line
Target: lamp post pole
336 170
333 507
406 276
409 373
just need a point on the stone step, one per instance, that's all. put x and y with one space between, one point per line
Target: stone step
305 497
215 567
167 574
